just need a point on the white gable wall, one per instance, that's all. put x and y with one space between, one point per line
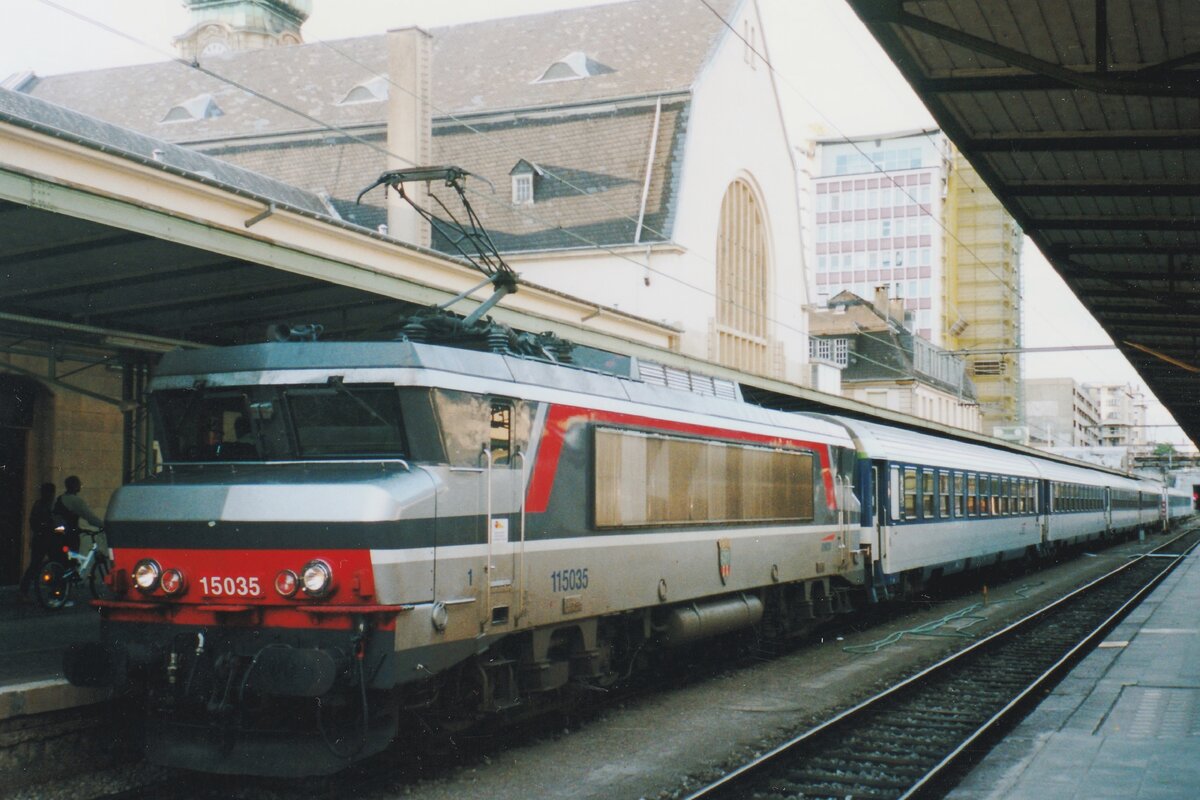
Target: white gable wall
734 131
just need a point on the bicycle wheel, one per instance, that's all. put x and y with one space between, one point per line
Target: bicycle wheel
99 589
53 587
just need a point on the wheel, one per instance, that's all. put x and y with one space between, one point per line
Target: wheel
53 587
99 589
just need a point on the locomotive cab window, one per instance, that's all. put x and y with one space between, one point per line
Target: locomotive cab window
205 425
341 421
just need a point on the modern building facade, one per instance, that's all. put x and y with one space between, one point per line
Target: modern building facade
884 364
879 204
907 212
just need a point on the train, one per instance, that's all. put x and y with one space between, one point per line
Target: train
345 537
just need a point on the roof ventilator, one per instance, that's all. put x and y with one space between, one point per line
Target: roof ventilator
202 106
573 67
374 90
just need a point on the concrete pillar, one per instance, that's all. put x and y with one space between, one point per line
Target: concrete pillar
410 124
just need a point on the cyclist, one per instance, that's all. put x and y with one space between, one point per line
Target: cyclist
71 507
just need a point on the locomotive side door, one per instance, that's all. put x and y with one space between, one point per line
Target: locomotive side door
503 507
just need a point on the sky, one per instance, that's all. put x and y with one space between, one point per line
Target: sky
804 39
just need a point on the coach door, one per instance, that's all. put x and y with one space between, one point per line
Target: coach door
504 466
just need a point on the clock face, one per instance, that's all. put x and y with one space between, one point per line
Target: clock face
214 48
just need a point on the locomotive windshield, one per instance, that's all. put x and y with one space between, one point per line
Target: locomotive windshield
279 423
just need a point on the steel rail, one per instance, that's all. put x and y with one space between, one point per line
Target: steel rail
740 778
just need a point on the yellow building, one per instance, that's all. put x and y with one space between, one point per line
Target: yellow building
982 287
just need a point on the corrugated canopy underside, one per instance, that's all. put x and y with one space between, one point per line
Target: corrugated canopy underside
1084 118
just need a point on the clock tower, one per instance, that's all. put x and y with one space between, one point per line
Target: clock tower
221 26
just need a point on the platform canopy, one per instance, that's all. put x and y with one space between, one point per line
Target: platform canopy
1083 117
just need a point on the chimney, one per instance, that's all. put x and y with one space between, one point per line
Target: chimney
882 307
410 126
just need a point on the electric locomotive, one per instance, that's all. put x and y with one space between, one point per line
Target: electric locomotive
343 532
347 534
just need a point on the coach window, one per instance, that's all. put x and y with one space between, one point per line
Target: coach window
894 492
972 495
997 491
1006 486
1022 496
944 494
927 490
959 491
910 492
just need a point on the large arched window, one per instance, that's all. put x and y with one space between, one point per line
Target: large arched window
743 256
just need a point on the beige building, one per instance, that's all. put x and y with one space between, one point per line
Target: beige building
1122 412
1060 412
886 365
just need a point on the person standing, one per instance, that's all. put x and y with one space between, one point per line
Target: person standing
71 507
41 546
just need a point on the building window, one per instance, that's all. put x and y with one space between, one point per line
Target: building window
522 188
835 350
743 260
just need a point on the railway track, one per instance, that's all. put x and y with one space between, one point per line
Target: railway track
913 739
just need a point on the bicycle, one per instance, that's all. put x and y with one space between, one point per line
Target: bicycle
57 579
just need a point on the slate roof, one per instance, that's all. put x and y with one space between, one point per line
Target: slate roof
595 160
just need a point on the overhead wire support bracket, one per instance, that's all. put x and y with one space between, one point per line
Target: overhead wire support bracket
470 239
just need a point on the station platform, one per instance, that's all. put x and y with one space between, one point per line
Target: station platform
1124 723
31 646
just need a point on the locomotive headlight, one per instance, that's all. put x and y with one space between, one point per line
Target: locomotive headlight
172 582
317 578
146 574
286 583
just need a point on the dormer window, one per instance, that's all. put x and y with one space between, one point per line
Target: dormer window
573 67
202 106
373 91
524 176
